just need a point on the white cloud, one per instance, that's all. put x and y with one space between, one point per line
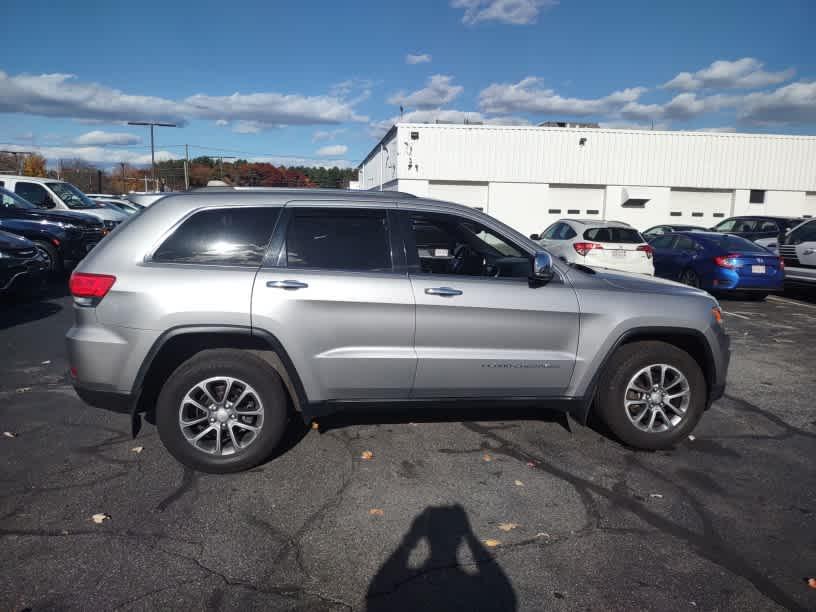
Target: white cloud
514 12
421 58
527 97
718 130
745 73
63 95
791 104
682 107
332 151
321 135
221 122
438 91
93 154
100 138
629 125
377 129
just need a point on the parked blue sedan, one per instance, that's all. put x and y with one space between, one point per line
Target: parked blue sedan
718 263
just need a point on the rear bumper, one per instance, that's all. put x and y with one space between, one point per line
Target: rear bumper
106 400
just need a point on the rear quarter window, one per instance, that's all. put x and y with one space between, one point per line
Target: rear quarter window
223 236
619 235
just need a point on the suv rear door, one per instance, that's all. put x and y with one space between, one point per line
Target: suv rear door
481 330
330 293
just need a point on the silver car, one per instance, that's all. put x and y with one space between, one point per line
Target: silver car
229 311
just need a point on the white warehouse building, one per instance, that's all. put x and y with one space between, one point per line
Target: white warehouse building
530 176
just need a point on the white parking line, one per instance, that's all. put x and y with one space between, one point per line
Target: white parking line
734 314
791 302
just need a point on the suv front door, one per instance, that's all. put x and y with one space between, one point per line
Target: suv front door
329 293
481 330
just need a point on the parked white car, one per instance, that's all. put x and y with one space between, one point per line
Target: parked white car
602 244
798 251
59 195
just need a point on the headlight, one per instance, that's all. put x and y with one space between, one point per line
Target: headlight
3 255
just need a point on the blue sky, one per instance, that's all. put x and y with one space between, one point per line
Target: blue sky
319 82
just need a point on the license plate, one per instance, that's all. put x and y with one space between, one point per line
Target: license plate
757 269
619 253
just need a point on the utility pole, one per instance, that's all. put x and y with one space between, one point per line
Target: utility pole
124 184
152 124
186 168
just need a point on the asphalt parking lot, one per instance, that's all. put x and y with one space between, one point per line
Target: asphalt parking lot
453 512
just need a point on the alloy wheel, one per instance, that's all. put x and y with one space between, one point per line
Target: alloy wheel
657 398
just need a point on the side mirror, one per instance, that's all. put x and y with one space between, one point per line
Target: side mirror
542 272
535 236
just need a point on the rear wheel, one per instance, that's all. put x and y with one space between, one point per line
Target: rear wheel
221 411
652 394
690 278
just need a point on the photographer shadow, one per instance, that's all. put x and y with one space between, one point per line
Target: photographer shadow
458 572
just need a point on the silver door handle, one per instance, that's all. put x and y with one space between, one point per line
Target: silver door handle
443 291
286 284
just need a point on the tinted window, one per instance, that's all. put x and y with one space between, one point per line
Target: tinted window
550 232
72 196
619 235
726 226
684 243
338 240
447 244
224 236
735 243
656 231
10 200
744 225
32 192
768 226
804 233
662 242
566 232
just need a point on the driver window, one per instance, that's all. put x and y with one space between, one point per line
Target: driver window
446 244
549 233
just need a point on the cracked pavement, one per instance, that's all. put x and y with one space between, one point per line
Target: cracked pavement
724 521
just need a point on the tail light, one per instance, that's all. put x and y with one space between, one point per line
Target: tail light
646 249
582 248
781 264
726 261
84 285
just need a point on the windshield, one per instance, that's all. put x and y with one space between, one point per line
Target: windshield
72 196
12 200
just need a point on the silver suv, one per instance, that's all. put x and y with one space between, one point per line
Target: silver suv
227 311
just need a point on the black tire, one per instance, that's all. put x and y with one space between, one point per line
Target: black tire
214 363
55 261
689 277
756 297
627 361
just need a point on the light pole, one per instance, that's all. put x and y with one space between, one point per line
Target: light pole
152 124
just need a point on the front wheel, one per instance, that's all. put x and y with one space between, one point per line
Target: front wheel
690 278
52 258
652 394
223 410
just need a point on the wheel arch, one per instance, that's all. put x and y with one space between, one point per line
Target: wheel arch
178 344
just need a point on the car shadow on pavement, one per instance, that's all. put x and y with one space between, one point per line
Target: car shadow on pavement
16 312
440 564
448 414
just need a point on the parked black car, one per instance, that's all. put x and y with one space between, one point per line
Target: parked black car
754 227
22 264
64 236
659 230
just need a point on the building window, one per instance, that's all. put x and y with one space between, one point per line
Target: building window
554 211
635 203
675 213
757 196
592 212
696 214
719 215
573 211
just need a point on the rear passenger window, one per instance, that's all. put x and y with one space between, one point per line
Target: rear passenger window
618 235
684 243
224 236
338 240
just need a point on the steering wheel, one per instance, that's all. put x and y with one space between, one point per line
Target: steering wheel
464 256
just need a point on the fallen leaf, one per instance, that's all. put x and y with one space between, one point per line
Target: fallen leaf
23 389
812 583
507 526
100 518
367 455
315 425
64 532
376 512
46 362
692 438
490 543
518 483
542 534
10 434
655 496
487 457
531 464
137 449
